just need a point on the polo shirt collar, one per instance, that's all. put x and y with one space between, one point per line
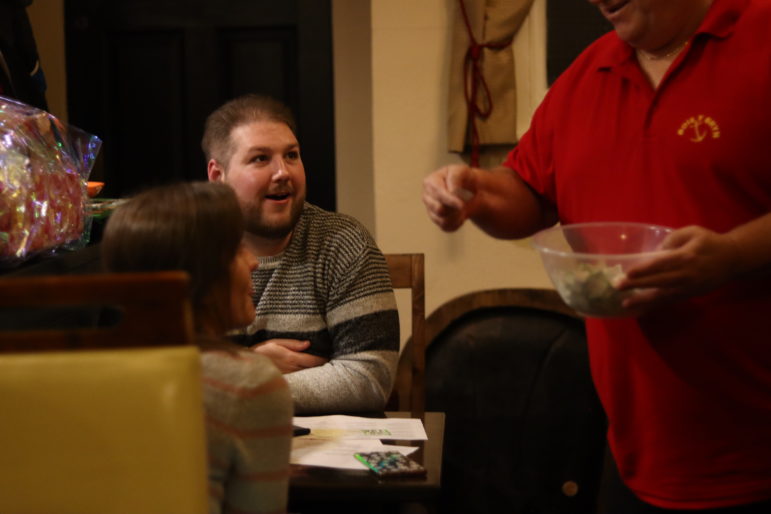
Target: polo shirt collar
722 17
719 22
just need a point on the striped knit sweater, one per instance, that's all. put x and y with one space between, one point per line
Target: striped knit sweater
331 286
249 430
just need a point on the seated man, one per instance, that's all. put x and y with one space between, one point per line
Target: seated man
326 312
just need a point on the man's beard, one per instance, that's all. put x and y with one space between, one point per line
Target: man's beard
255 224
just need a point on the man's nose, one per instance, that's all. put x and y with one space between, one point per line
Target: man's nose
280 169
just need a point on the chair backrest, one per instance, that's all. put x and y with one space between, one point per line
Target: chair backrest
94 311
527 298
524 428
407 272
102 432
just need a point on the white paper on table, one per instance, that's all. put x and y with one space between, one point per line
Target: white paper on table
338 453
404 450
356 427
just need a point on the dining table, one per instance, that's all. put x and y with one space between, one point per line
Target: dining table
319 489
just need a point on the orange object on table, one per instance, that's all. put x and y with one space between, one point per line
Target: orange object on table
94 188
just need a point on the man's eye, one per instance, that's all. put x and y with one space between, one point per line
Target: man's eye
258 158
293 155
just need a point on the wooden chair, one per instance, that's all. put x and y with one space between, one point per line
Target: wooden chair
407 272
94 311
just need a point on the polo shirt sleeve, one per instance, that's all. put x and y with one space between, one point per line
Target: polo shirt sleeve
533 157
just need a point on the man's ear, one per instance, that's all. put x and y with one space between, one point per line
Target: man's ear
215 171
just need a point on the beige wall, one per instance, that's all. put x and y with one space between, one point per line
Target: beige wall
352 47
409 61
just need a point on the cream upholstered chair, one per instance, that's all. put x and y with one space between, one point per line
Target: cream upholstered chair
407 272
102 431
101 407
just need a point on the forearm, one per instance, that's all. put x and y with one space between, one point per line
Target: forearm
357 382
505 207
752 242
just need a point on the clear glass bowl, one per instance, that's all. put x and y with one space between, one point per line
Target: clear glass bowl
586 260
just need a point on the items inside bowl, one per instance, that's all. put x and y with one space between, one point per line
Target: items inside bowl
590 289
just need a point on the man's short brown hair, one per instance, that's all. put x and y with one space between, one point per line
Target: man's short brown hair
244 109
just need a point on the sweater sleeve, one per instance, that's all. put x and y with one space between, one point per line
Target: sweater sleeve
354 382
363 322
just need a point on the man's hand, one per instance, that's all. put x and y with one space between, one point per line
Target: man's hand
287 354
699 261
447 192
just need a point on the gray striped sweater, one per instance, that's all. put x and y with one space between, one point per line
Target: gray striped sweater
331 286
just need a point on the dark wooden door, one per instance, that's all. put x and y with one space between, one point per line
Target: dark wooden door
144 74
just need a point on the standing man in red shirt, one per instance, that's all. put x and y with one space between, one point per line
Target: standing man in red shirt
665 120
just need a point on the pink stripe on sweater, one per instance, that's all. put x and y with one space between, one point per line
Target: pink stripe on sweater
279 431
229 509
276 384
264 476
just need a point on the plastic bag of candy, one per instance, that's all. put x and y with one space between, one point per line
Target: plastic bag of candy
44 167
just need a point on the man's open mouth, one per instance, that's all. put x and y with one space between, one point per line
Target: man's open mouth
277 196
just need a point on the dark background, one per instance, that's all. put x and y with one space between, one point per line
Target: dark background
571 25
144 74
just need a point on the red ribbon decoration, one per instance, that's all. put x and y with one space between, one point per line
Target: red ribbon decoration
474 80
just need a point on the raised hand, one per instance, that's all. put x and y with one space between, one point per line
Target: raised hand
447 193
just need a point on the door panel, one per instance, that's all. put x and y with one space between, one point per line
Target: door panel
144 74
147 121
571 27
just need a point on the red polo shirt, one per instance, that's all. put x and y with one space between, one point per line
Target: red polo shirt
687 391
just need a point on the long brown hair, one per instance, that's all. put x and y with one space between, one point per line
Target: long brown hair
195 227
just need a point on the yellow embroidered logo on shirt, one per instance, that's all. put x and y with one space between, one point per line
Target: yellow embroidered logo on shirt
698 128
